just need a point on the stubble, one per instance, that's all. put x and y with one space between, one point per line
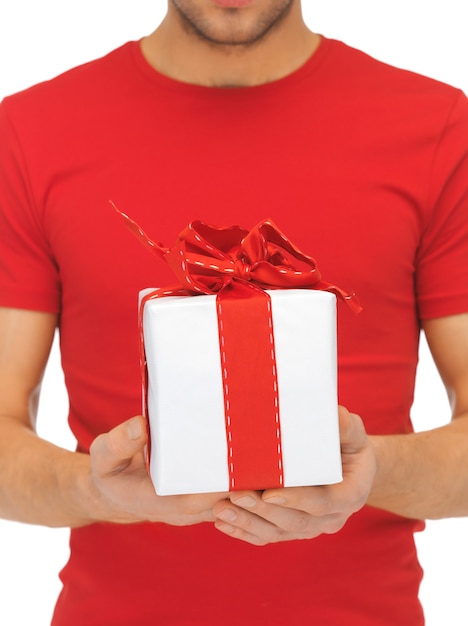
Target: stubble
230 28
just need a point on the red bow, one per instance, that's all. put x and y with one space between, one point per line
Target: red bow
207 259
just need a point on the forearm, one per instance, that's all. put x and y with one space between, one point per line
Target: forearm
41 483
423 475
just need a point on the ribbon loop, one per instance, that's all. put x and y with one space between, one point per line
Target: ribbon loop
206 259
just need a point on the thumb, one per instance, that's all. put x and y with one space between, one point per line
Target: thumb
353 435
114 451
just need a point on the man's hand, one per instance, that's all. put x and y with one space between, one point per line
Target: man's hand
123 489
304 512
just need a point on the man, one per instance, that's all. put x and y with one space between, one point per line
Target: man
231 111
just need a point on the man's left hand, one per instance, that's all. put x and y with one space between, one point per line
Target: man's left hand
276 515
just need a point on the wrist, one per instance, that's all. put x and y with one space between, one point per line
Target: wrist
393 487
79 492
92 505
380 453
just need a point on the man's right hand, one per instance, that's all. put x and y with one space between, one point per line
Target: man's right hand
124 491
41 483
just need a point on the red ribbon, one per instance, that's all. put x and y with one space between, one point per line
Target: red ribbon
207 259
238 265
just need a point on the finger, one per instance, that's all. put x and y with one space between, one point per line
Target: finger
318 501
241 534
246 526
114 451
295 519
301 511
329 500
352 432
316 510
264 523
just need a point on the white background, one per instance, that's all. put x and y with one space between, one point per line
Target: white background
39 39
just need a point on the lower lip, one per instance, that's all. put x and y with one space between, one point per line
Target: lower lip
233 4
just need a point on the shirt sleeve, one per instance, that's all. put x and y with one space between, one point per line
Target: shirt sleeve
29 278
442 259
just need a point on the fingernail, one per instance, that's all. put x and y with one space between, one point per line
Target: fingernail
134 430
228 515
225 528
245 502
275 500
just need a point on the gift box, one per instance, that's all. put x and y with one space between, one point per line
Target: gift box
238 363
193 447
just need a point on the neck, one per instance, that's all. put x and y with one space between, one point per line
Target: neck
216 46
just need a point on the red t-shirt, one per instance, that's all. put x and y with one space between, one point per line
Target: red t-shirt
363 166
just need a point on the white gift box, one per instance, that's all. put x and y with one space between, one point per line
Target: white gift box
185 403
